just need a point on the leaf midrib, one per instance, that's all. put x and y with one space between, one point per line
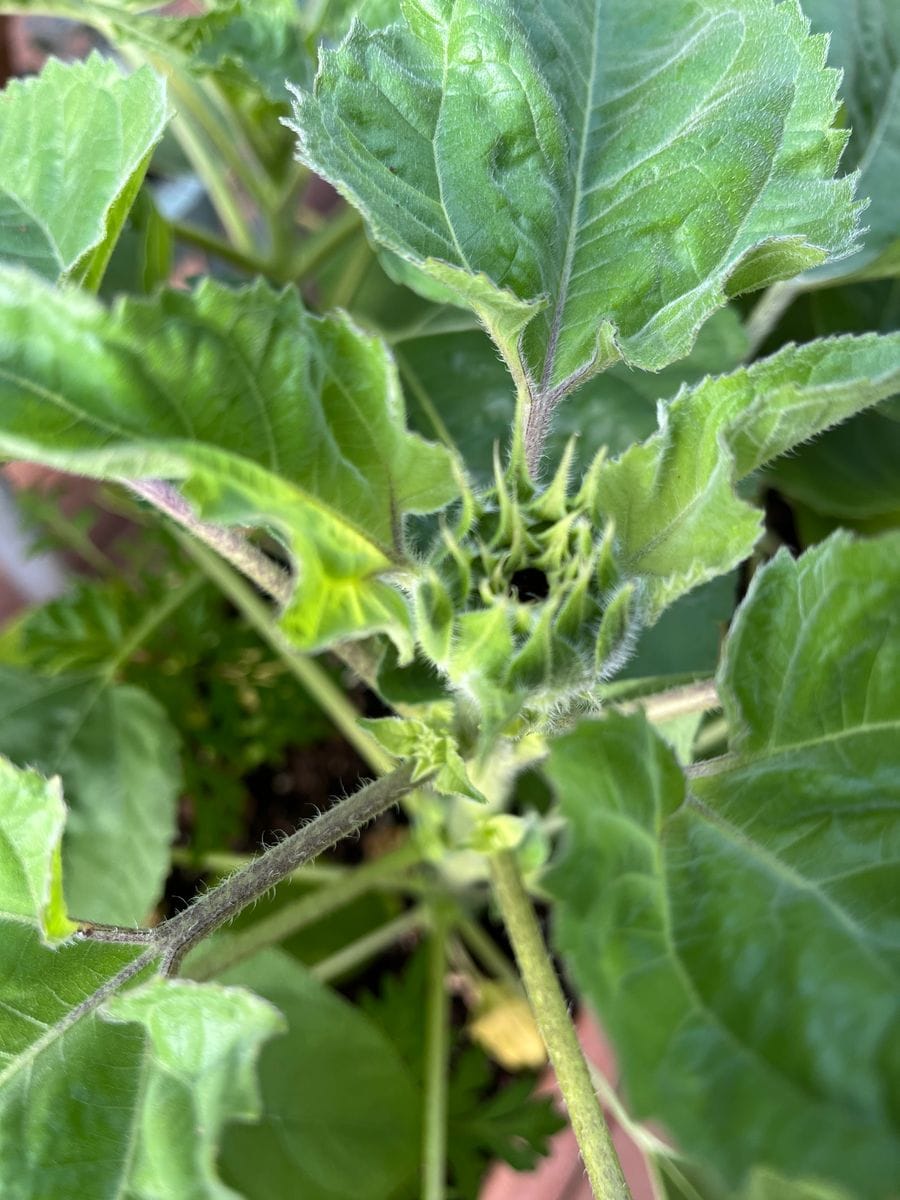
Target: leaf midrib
577 198
73 1015
799 883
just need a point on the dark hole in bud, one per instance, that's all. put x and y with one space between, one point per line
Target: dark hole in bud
529 584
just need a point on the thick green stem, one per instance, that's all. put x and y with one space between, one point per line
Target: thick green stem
552 1015
303 912
306 671
437 1053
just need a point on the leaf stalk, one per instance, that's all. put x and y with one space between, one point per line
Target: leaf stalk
237 550
174 938
306 911
437 1054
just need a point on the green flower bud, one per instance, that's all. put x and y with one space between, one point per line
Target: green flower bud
523 606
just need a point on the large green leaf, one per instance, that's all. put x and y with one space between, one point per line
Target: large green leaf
267 415
341 1115
678 521
74 144
865 44
102 1095
740 934
117 754
601 174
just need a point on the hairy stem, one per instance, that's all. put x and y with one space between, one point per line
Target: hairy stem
437 1052
175 937
311 677
551 1013
303 912
183 931
243 555
537 426
677 702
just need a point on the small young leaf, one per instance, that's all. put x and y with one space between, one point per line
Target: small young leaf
117 754
267 415
431 742
74 144
89 1105
740 936
599 174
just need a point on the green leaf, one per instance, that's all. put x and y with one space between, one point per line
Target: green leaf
851 473
267 416
340 1117
687 637
865 44
684 1182
32 815
117 754
620 406
74 145
542 160
432 742
741 936
261 44
91 1106
142 259
678 521
487 1126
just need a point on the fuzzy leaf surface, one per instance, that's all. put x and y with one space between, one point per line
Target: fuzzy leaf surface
265 415
865 45
105 1096
117 754
740 933
600 174
74 144
678 521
